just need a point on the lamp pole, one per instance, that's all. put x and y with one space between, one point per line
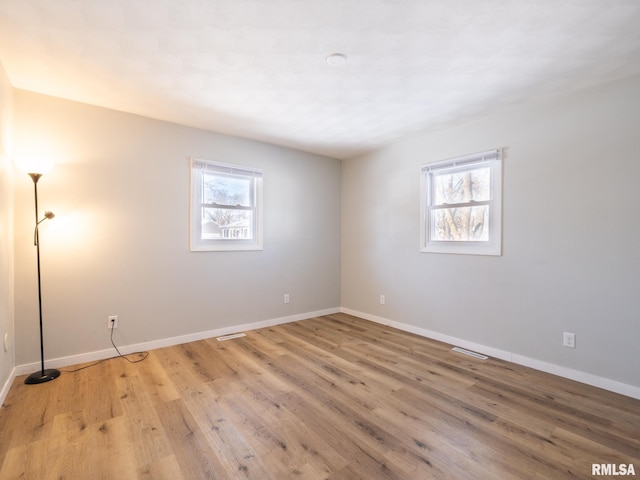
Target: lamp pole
42 375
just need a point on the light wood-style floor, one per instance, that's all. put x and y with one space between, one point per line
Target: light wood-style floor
335 397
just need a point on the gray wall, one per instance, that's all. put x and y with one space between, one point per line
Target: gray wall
7 358
119 244
571 230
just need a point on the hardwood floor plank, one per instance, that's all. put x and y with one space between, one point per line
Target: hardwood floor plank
342 436
327 398
180 371
148 439
157 383
196 457
29 417
109 451
289 443
25 461
212 412
166 468
99 451
569 417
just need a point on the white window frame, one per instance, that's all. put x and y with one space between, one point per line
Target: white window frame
197 243
493 246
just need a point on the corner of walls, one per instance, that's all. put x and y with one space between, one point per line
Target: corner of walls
7 352
570 256
554 369
119 244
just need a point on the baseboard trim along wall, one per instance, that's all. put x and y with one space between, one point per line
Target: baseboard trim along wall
7 386
62 362
589 379
582 377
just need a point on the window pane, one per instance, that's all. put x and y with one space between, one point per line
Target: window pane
224 223
462 186
466 224
227 189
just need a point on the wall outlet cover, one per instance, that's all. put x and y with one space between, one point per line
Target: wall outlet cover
112 321
569 340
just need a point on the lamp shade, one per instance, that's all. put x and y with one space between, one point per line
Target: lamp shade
30 164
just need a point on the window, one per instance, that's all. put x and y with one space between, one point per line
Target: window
461 205
226 207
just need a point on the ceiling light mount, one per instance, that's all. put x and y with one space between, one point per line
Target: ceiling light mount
336 59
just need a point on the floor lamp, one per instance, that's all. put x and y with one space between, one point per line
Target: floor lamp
43 375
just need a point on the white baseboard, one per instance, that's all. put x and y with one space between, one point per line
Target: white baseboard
164 342
7 386
582 377
587 378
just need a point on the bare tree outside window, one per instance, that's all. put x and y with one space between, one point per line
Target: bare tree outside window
460 209
461 205
226 207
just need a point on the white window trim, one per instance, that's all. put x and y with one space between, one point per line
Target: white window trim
493 246
197 244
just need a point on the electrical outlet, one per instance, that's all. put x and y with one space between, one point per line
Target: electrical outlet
112 321
382 300
286 298
569 340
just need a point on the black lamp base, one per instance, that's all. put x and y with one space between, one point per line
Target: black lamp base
42 376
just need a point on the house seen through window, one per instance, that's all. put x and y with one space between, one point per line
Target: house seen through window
225 206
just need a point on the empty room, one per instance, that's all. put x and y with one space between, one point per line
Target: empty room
320 240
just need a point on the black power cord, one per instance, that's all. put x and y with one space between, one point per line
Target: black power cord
143 356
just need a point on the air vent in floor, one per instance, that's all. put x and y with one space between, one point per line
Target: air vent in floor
470 353
230 337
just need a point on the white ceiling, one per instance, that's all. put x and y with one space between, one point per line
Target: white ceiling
257 68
